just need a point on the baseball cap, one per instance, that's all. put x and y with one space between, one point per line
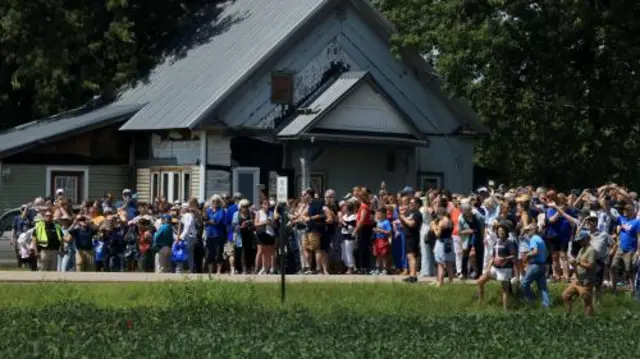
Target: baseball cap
581 236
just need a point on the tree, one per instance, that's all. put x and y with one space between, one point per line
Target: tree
58 54
555 81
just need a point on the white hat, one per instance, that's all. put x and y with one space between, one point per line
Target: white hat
59 191
482 189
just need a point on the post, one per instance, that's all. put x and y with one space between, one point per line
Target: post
282 187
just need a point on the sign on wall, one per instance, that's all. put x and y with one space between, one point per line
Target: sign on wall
282 189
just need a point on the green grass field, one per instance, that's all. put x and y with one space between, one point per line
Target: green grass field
230 320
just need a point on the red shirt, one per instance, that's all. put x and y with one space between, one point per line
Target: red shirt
364 215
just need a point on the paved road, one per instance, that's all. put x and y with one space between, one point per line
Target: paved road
93 277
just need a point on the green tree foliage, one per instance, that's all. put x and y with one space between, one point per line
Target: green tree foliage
556 81
57 54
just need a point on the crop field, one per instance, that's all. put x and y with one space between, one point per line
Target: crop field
319 320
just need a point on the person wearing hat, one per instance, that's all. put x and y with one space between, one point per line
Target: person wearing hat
585 267
46 241
500 266
162 242
536 258
129 205
627 250
602 243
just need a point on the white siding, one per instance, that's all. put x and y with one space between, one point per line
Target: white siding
195 181
185 151
218 150
143 184
365 110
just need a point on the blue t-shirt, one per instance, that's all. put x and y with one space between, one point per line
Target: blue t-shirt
229 213
217 229
384 225
100 248
535 242
20 225
628 233
560 229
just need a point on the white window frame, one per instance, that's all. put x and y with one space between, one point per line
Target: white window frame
171 197
85 178
256 181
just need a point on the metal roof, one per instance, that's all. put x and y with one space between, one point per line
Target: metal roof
326 101
36 132
179 94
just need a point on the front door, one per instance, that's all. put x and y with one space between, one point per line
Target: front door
172 185
69 181
246 180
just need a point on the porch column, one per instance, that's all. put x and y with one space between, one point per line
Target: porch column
305 167
203 166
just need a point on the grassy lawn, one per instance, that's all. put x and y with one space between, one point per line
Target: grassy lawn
230 320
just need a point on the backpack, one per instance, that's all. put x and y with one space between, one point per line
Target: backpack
179 252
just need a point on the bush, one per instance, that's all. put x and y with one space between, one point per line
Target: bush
226 320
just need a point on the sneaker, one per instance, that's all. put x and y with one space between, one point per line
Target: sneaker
374 272
308 271
410 280
232 271
262 272
384 272
272 271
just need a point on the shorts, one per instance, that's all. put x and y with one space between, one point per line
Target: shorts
380 247
558 245
626 258
501 274
411 245
229 250
215 248
576 288
311 241
265 239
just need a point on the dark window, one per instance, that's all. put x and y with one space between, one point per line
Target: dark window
282 88
186 185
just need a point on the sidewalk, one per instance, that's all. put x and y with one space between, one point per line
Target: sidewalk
108 277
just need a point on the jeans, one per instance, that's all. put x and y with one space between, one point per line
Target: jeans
427 262
299 234
65 262
190 242
536 273
458 249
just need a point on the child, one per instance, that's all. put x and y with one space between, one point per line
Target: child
100 250
348 224
382 231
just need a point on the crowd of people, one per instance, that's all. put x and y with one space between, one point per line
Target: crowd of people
588 239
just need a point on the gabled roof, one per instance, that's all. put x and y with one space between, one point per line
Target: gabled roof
180 94
62 125
338 91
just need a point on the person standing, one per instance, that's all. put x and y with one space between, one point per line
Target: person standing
444 252
162 242
46 241
500 264
411 222
215 229
188 233
603 246
585 265
81 234
536 258
627 250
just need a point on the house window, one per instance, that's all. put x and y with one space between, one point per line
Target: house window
73 180
430 180
282 88
173 185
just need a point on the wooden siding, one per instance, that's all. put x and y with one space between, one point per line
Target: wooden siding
451 156
195 181
103 179
24 184
365 110
143 184
218 150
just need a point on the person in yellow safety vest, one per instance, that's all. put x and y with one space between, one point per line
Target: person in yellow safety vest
47 239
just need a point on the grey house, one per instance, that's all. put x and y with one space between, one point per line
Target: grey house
303 88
